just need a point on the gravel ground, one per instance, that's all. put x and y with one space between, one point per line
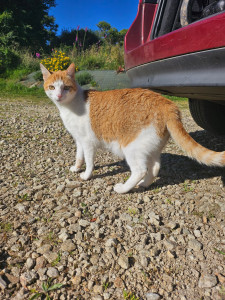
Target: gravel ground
167 242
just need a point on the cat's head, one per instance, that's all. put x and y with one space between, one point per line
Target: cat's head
60 86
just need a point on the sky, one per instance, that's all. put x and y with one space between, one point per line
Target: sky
87 13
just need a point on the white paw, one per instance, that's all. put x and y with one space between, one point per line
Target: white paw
119 188
143 184
85 176
74 169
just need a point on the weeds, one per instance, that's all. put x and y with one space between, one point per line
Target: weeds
57 260
129 295
132 211
46 287
5 227
219 251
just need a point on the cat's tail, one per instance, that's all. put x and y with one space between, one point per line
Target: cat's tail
190 146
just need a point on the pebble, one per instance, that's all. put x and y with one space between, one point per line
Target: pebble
68 245
28 278
45 248
123 261
30 263
50 256
195 245
152 296
84 223
3 284
52 272
207 281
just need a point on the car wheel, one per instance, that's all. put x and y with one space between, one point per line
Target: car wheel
208 115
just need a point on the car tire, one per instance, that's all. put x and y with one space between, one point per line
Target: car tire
208 115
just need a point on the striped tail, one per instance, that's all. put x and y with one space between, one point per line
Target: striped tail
190 146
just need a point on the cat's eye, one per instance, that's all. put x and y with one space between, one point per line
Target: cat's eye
51 87
66 87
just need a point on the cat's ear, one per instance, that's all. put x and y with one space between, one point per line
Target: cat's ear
71 70
45 72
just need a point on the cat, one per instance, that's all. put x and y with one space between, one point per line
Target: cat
134 124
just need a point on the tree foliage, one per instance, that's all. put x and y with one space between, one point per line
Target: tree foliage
111 33
26 23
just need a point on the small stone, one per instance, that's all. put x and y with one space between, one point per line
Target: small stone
12 279
154 219
111 243
77 192
60 188
40 263
50 256
20 207
3 284
171 254
78 214
76 280
44 249
28 278
83 223
207 281
152 296
63 236
169 245
221 278
118 282
97 289
123 261
72 184
194 245
30 263
106 296
68 245
172 225
97 297
52 272
143 261
197 233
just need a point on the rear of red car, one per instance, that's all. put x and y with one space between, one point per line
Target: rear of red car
177 47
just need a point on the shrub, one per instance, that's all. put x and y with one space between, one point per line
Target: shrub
84 78
8 59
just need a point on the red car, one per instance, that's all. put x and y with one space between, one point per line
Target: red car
177 47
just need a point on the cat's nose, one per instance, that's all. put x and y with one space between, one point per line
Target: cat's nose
59 96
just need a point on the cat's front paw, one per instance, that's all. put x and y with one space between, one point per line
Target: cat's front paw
85 176
120 189
74 169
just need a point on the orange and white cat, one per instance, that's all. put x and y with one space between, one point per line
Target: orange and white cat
134 124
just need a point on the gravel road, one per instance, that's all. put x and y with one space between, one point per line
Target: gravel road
166 242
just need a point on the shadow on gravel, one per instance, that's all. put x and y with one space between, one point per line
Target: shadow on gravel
175 169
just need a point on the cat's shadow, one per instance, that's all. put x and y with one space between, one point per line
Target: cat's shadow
176 169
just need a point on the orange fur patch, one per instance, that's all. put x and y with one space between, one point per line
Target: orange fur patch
121 114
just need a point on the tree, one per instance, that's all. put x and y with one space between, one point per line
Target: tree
104 27
26 23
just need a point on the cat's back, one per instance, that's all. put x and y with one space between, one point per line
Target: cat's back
122 114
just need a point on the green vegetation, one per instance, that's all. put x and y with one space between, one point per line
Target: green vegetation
47 288
84 78
129 295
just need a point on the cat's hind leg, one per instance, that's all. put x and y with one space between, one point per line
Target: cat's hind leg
138 166
153 170
79 158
